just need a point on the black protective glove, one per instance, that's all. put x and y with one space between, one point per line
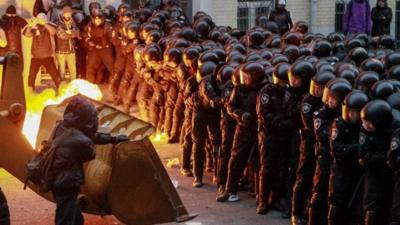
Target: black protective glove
120 138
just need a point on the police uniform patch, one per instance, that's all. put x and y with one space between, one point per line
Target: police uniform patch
394 144
264 98
209 86
334 133
226 93
317 123
361 139
306 108
287 96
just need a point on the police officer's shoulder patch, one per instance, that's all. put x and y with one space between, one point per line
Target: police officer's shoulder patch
209 86
264 98
317 123
287 96
361 139
394 144
334 133
306 108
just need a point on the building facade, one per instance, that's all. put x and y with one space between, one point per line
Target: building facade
323 16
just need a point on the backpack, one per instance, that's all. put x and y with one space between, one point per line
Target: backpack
39 169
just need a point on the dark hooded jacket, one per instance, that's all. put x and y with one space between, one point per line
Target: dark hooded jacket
381 18
12 26
80 120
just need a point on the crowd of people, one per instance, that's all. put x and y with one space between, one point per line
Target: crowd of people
309 121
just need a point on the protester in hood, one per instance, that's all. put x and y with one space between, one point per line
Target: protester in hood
42 51
357 17
381 18
79 130
12 25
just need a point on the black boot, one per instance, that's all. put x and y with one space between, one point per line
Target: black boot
371 218
333 216
295 220
314 216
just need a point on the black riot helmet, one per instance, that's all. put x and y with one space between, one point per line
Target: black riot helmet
358 55
322 48
336 90
353 43
365 81
391 59
308 37
335 37
378 113
394 100
352 105
132 30
251 74
304 51
348 74
394 73
208 56
206 69
319 81
279 58
94 6
300 73
381 90
386 42
172 57
202 28
266 54
292 52
373 65
255 39
292 38
280 75
224 74
190 56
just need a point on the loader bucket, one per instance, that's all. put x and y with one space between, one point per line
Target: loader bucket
127 180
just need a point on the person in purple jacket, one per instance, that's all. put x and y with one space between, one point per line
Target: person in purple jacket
357 18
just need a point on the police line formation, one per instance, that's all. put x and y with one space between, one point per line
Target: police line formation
308 121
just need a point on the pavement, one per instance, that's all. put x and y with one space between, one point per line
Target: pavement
28 208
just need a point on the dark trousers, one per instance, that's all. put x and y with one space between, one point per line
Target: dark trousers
118 71
319 198
204 124
304 174
344 178
186 138
228 126
68 210
395 212
378 190
177 116
170 104
95 59
48 63
244 142
274 159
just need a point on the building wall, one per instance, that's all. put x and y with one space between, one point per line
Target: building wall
223 12
299 9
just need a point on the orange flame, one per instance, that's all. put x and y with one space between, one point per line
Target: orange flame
37 102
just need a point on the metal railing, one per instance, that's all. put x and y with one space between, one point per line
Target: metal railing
250 10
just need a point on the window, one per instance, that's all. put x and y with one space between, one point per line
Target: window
250 10
397 23
339 12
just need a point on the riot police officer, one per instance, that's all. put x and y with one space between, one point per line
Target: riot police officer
334 93
305 170
98 40
206 114
188 88
393 159
272 127
378 124
242 107
345 170
228 125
